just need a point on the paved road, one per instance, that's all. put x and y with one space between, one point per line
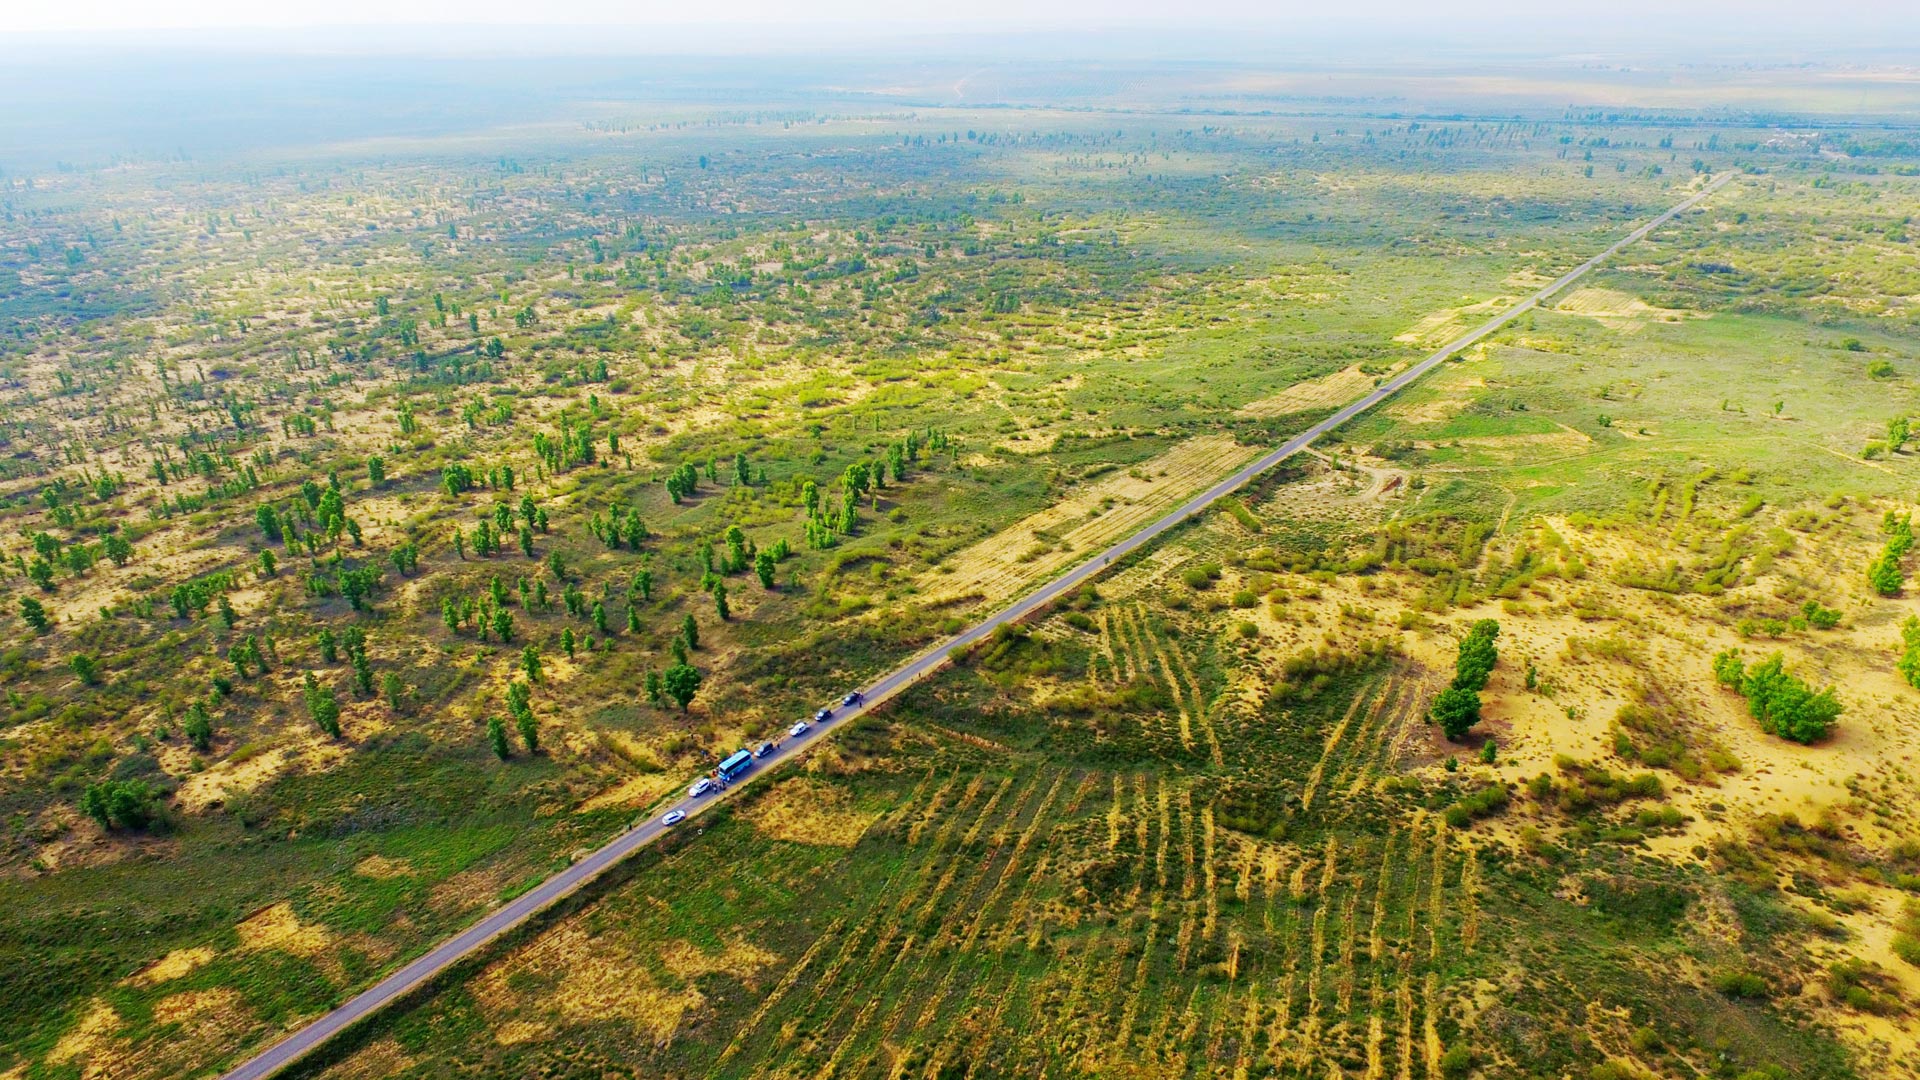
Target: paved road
305 1040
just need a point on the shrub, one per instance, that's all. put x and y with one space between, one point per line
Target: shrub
1740 985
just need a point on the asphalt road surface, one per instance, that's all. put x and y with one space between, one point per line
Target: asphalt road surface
418 972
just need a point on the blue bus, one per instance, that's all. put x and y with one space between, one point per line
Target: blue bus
736 764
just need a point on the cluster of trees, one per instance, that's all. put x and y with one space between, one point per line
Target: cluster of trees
520 705
76 558
683 481
119 803
1457 708
1783 703
573 447
1885 574
618 527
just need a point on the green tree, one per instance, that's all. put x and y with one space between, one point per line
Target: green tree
198 727
526 541
529 732
644 582
393 690
503 624
86 668
268 566
530 662
1456 710
566 641
690 631
35 614
681 682
322 707
329 646
598 616
362 672
124 803
376 471
763 566
1886 576
497 738
720 601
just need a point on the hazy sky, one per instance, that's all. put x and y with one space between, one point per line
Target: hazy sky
858 16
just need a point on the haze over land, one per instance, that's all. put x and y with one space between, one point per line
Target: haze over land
427 445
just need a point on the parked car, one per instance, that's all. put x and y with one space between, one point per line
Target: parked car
674 817
799 728
763 749
700 787
852 699
821 716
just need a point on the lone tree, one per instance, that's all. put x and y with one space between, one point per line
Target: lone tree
681 682
35 613
497 737
529 732
1456 710
198 727
690 631
322 706
86 668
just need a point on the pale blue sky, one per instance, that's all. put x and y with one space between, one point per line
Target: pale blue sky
859 17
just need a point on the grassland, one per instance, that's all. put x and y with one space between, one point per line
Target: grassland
1191 822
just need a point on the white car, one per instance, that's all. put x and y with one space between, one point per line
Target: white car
700 787
799 728
674 817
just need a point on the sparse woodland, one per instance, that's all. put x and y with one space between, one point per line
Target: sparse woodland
381 530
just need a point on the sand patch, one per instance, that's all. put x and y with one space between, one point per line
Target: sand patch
171 966
1326 392
808 811
279 928
227 779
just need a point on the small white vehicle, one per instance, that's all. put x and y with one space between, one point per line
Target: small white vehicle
799 728
700 787
674 817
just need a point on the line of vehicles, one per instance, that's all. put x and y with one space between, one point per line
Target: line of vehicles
740 762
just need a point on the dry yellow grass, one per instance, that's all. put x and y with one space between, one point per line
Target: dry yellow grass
1620 311
88 1038
1010 561
380 868
171 966
277 927
1442 326
634 791
1326 392
583 979
739 957
809 811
